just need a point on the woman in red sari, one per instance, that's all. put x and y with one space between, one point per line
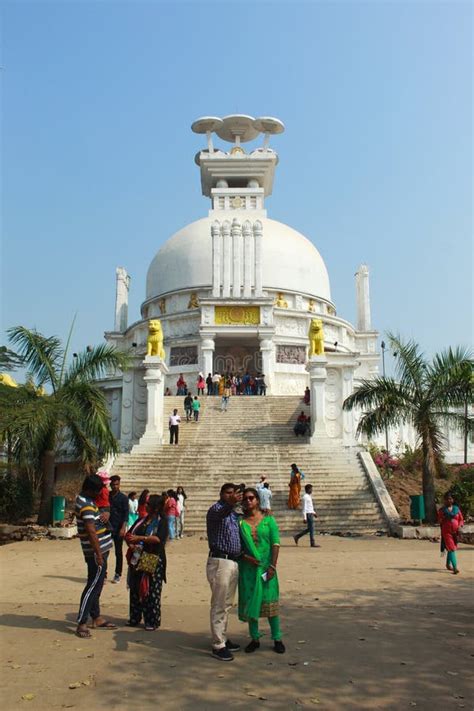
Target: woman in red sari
451 520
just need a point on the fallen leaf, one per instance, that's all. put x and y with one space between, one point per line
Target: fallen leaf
15 666
452 673
28 697
315 701
86 682
301 641
462 634
75 685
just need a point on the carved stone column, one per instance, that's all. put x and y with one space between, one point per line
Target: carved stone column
316 368
258 236
227 258
207 349
155 369
237 251
121 299
266 349
247 232
216 257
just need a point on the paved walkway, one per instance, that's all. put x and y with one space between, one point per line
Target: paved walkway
369 624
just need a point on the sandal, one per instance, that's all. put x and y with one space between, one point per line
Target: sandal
105 626
83 634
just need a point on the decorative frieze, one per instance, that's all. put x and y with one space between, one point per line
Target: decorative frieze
291 354
183 355
237 315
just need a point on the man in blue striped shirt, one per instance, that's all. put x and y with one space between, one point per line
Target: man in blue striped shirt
96 543
222 569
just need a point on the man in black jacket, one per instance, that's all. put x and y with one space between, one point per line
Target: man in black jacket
118 522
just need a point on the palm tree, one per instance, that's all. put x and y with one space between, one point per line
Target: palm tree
60 404
424 394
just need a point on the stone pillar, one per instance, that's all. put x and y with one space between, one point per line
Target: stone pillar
247 232
216 257
237 251
258 235
126 425
348 423
316 368
266 349
363 298
227 257
207 349
155 369
122 285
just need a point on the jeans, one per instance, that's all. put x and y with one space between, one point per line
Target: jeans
118 547
174 432
225 402
209 389
196 415
188 413
90 597
171 526
309 529
215 388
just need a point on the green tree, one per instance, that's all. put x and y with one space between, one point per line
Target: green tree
425 394
61 403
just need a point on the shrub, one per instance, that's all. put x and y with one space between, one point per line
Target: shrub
463 489
385 463
16 497
411 460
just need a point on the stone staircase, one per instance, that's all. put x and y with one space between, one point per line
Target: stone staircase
254 437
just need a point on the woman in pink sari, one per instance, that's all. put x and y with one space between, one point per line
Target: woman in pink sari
451 520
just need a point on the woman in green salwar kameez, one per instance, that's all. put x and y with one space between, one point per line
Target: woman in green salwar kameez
259 597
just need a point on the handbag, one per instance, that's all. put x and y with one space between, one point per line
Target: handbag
148 563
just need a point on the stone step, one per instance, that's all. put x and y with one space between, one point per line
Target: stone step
254 436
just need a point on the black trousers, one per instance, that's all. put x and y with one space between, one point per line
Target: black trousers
118 547
90 605
174 432
309 529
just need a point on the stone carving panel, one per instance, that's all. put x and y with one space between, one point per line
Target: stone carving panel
288 326
181 327
291 354
183 355
237 315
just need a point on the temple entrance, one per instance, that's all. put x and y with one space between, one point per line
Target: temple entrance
237 356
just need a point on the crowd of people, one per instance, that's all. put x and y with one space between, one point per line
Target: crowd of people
238 384
243 539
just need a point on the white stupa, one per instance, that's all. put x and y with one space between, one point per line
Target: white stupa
236 291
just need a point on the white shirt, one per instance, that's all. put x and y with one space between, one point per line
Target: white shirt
216 378
265 496
181 501
308 507
175 419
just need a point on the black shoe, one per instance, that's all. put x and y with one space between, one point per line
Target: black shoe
232 646
252 646
223 655
315 545
279 647
296 539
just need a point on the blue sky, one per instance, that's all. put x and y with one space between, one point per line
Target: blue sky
375 165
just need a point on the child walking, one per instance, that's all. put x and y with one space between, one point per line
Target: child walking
451 520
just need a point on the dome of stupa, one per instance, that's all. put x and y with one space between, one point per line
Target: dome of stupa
290 261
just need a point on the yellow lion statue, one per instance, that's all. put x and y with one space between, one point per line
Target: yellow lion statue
6 379
154 343
316 337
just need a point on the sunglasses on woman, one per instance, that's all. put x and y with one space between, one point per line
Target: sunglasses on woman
249 498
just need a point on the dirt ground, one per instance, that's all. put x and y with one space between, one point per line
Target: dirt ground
369 623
